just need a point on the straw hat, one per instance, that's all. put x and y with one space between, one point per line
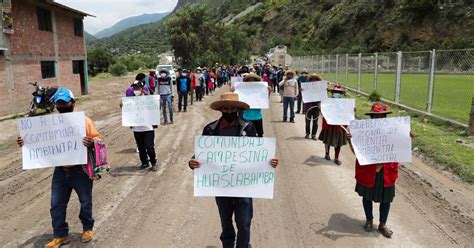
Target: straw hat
253 76
379 108
289 71
229 99
313 77
337 88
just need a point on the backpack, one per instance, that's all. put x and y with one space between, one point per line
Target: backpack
97 160
184 84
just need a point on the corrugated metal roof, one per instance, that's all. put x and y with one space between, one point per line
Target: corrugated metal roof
64 7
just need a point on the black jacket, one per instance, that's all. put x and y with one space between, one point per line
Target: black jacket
246 129
188 84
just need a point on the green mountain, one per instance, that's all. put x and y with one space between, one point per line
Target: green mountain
129 23
89 37
322 27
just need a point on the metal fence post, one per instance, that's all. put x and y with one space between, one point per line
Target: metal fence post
376 70
429 104
329 65
398 77
322 65
471 120
347 69
359 71
337 68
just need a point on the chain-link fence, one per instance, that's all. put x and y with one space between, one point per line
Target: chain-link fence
440 82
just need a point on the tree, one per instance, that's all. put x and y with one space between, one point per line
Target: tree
99 61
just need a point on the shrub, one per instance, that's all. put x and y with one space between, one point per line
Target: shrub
374 96
118 69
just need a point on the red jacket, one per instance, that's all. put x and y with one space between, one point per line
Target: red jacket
365 175
326 126
193 80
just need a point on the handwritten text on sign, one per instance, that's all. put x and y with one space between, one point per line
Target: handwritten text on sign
53 140
314 91
141 111
382 140
255 94
234 166
338 111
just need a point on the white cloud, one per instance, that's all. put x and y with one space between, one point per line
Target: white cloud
109 12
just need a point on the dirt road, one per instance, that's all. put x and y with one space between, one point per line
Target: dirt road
314 203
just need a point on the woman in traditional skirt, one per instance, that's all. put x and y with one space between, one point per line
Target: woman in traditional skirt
311 111
376 182
333 135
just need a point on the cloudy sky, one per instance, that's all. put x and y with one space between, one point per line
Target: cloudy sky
109 12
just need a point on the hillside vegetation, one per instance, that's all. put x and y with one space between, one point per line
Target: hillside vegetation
317 27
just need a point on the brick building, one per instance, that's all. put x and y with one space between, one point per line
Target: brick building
47 46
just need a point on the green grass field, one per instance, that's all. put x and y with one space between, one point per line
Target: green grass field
452 93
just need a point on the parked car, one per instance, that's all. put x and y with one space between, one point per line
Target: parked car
171 69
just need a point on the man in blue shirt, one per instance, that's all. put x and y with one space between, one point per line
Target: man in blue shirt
183 83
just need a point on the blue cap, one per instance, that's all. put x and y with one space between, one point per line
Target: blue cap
63 94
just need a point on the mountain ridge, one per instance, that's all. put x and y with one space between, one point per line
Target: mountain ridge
129 23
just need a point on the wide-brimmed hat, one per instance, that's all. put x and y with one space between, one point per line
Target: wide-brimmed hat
152 70
290 71
337 88
164 70
254 76
304 71
379 108
229 99
313 77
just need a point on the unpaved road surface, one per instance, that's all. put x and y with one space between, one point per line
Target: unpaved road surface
314 203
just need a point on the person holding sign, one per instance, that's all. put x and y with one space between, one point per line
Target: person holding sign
290 92
311 111
68 178
253 115
144 135
332 135
376 182
230 124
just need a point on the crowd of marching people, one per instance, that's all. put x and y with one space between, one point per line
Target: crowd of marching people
374 183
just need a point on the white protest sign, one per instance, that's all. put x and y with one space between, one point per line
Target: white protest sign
382 140
53 140
338 111
255 94
314 91
234 80
234 166
141 111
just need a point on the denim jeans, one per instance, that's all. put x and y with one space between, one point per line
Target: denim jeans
183 100
384 210
167 101
243 210
64 181
299 103
288 102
